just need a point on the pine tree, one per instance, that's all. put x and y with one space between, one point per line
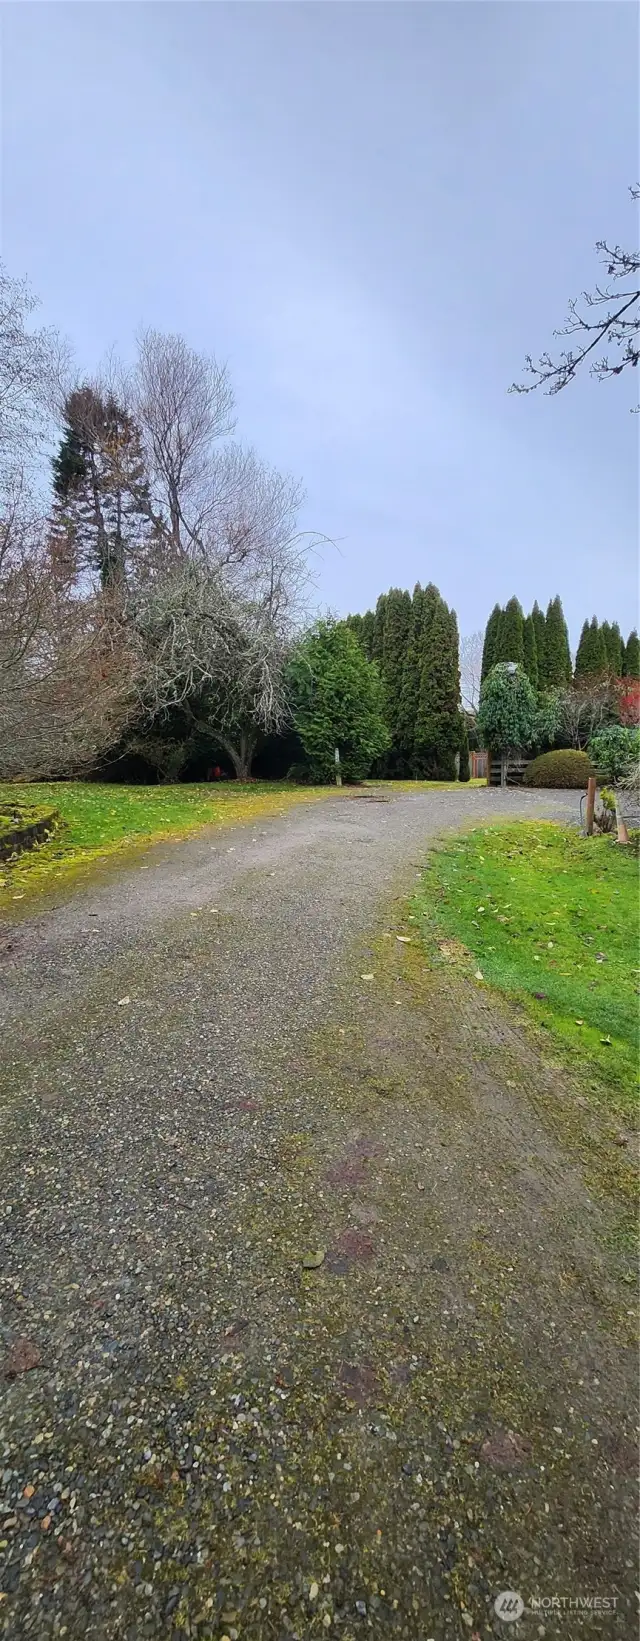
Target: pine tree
100 486
540 629
530 651
410 690
632 656
510 637
490 640
557 652
438 721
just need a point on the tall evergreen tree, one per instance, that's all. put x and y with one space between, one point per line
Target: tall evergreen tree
410 689
377 642
101 505
613 643
557 652
632 656
394 648
540 629
492 628
530 651
510 637
583 666
438 722
366 637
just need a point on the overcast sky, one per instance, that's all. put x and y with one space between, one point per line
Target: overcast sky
372 212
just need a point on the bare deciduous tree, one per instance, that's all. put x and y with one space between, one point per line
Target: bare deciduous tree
33 365
585 708
184 404
618 325
471 670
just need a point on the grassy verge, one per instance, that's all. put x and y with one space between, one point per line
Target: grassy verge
101 822
551 919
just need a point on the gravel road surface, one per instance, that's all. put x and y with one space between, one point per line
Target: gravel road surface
200 1433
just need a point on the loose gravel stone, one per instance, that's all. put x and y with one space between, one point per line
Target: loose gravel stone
203 1431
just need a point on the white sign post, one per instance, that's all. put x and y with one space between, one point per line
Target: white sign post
337 759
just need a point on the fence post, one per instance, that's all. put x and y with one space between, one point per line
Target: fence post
337 763
591 803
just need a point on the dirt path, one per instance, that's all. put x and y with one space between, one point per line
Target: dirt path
200 1090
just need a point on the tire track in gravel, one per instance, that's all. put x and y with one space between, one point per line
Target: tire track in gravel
214 1441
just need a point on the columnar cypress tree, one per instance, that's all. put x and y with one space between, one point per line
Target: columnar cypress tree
366 636
510 637
492 628
613 642
583 653
530 651
410 689
377 643
464 770
438 722
540 629
394 648
632 656
557 652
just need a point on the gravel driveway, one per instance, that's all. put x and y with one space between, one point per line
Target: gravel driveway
200 1436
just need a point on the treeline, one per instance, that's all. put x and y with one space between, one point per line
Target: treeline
413 638
540 643
602 650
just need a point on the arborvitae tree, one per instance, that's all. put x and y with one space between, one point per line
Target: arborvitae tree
394 649
354 623
410 690
530 651
100 486
540 629
557 652
591 657
492 628
366 639
438 722
510 637
583 653
464 770
377 642
632 656
613 645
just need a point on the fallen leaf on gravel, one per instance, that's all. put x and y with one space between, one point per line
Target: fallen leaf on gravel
479 975
313 1591
21 1358
122 1000
311 1262
366 977
405 939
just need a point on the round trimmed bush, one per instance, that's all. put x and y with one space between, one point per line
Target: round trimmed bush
565 768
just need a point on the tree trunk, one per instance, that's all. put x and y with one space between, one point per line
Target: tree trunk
241 755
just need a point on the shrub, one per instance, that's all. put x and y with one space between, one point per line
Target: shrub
614 752
567 768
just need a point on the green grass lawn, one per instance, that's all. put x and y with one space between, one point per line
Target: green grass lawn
540 910
100 822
